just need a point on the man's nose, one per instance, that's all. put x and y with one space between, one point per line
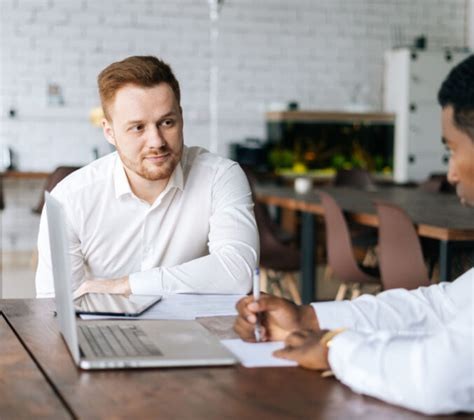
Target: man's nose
155 138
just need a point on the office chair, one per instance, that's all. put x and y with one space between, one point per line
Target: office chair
53 179
437 183
401 258
278 260
355 178
340 253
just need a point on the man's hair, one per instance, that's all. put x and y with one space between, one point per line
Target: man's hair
458 91
143 71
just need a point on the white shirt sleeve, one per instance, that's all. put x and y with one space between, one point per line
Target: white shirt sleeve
233 247
432 373
400 310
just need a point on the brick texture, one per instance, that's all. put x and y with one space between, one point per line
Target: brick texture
325 54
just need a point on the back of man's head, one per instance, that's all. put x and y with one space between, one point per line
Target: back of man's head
143 71
458 91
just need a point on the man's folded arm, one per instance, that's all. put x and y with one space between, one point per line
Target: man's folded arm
424 309
233 247
431 373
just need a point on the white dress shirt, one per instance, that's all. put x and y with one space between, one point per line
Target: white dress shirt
198 236
410 348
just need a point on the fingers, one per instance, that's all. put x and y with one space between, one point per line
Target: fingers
290 353
271 303
248 310
247 306
246 331
245 311
304 347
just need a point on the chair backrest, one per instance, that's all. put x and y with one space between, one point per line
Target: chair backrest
356 178
339 249
401 259
437 182
273 253
53 179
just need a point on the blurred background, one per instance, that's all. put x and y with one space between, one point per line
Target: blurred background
288 87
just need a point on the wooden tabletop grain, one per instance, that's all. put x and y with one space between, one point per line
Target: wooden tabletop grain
53 387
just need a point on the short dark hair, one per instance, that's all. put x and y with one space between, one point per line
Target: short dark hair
144 71
458 91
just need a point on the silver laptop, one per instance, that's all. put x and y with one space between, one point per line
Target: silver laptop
117 344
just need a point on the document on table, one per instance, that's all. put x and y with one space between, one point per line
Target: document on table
257 354
185 306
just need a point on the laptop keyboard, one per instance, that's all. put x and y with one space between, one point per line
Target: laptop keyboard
117 340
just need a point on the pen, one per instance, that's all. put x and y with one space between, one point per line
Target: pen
256 297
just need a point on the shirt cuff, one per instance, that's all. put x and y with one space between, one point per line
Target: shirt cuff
333 315
146 283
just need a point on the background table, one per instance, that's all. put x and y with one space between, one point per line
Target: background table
437 216
39 379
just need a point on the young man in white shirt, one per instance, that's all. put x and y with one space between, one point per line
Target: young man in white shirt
410 348
154 216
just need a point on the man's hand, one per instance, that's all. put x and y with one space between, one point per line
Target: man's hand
114 286
279 317
305 348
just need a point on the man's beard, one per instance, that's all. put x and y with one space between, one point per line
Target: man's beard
148 170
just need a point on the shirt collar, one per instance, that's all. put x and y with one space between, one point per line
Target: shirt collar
176 178
122 186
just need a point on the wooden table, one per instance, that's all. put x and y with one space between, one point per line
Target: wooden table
39 379
437 216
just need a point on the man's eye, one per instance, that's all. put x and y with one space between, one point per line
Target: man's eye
137 128
167 123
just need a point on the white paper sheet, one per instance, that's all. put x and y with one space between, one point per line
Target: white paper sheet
257 354
185 306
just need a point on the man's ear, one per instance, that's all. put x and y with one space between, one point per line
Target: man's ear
108 131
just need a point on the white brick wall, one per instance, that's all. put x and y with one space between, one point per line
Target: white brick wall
314 51
317 52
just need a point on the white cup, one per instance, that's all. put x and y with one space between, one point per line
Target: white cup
303 185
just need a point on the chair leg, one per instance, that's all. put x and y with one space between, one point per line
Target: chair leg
355 291
371 257
264 286
328 273
276 289
432 263
273 283
341 292
292 286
